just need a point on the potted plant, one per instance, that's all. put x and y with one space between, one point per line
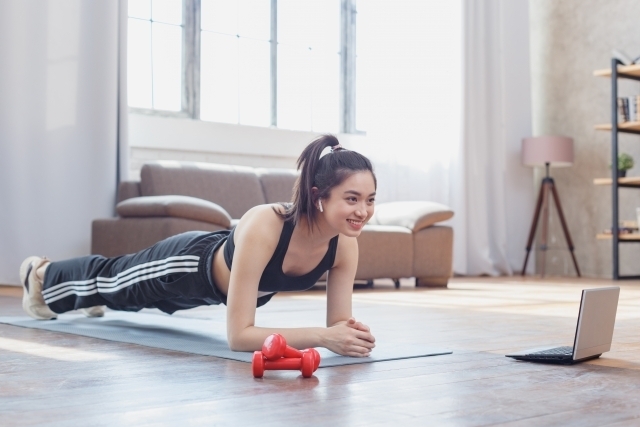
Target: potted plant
625 162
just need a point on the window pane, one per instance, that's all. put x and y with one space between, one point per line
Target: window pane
219 78
140 9
324 27
294 88
398 91
310 23
167 67
220 16
169 11
139 63
254 19
325 74
309 65
254 82
293 23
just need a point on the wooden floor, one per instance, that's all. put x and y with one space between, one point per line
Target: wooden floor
51 379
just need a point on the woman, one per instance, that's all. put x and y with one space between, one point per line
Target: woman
279 247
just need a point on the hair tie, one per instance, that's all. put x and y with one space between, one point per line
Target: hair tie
330 149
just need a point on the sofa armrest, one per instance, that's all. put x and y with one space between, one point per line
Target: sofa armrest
128 189
175 206
412 215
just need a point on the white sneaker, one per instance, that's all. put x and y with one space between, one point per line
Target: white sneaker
32 299
96 311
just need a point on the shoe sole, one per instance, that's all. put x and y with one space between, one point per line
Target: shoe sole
93 311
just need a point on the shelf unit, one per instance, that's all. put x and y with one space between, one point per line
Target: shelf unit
618 71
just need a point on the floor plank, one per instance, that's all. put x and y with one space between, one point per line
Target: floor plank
56 379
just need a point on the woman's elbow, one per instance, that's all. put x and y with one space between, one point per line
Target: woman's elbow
235 347
234 342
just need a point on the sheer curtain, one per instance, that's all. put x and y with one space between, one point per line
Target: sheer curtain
408 94
443 94
491 192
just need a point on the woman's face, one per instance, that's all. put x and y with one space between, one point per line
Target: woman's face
350 205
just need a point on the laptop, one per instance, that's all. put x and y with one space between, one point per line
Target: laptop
593 333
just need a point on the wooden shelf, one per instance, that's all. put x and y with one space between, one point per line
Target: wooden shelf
632 126
632 70
635 237
627 181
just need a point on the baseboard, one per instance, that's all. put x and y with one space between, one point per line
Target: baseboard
11 290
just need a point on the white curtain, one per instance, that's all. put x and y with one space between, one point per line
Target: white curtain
408 94
491 192
444 89
58 126
478 191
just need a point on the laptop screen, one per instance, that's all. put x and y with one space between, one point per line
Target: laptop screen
596 320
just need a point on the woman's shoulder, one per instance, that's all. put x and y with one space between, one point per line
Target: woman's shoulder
261 222
267 214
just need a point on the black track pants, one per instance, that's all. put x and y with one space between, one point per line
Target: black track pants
174 274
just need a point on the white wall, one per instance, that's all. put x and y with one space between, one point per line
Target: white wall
154 137
571 39
58 80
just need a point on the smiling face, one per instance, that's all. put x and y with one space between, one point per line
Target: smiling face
350 204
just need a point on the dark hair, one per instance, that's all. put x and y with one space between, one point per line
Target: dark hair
324 173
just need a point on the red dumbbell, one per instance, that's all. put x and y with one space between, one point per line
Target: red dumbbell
305 364
275 347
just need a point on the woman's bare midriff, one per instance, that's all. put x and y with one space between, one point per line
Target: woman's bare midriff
219 270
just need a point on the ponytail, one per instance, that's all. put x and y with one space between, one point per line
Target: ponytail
323 173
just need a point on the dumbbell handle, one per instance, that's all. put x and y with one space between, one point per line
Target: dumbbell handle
283 364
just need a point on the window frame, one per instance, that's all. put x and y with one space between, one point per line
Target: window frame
190 84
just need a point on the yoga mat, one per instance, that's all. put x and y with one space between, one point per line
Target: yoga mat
198 336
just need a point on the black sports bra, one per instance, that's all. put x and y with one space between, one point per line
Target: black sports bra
273 278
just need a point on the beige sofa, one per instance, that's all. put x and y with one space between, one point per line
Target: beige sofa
401 240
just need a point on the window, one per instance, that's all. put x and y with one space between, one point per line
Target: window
235 61
284 63
155 54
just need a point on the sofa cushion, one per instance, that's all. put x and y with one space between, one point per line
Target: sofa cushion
128 189
175 206
413 215
277 184
237 188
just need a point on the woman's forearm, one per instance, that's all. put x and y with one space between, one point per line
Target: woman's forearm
252 337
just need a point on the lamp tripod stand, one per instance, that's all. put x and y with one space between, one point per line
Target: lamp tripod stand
548 186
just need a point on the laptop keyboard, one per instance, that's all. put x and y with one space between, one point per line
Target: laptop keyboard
558 351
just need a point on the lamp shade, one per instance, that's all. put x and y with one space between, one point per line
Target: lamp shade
540 150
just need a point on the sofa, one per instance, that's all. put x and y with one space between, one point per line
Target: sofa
402 239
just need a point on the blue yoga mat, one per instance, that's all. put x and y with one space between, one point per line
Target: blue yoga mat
191 335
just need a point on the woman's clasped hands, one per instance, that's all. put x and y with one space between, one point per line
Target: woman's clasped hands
350 338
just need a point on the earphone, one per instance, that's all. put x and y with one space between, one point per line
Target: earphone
320 205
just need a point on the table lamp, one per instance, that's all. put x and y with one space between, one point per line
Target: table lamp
547 151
